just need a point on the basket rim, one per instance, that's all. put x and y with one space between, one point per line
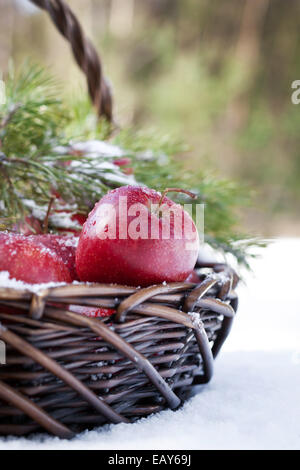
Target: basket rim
221 273
177 304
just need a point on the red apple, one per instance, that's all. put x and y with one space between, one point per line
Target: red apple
93 312
30 261
80 218
30 225
61 210
64 246
124 161
138 253
193 277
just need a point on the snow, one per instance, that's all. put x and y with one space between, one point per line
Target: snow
63 220
61 217
12 283
68 241
195 317
98 148
105 170
252 401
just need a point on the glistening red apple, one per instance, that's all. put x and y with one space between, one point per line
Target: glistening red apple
92 312
64 246
193 277
125 239
28 260
28 226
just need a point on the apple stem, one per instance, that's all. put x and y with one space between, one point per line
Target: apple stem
46 220
175 190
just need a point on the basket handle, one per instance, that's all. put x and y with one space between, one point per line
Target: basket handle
84 53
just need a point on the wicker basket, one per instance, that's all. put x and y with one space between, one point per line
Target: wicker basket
65 372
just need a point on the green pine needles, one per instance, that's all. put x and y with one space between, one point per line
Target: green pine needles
37 161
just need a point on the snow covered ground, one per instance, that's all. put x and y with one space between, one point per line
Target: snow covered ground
253 400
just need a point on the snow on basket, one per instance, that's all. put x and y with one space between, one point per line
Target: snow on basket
139 351
66 372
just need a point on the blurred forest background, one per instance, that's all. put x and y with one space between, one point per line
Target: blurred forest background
216 75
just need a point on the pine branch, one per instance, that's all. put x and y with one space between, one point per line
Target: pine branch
38 160
222 198
35 160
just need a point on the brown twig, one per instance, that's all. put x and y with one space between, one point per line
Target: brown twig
9 116
175 190
4 172
46 220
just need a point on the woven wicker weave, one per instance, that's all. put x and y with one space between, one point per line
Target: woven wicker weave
66 372
146 357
